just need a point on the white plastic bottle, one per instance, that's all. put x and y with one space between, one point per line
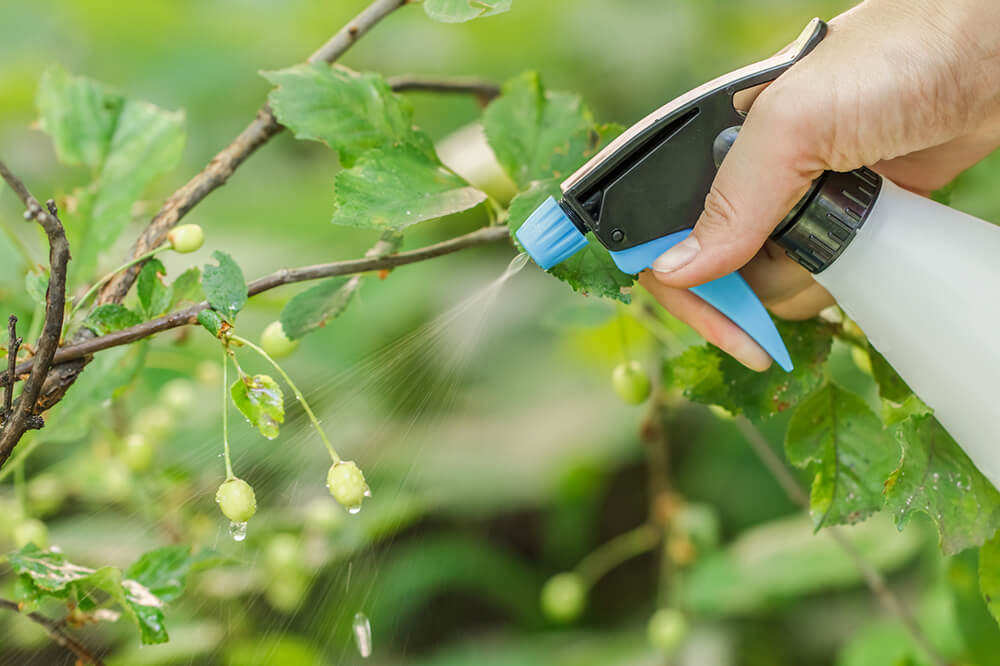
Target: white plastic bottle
923 282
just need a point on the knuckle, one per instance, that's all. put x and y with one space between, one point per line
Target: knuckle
720 211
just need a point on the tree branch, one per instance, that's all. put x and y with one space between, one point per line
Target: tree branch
24 416
285 276
223 165
485 91
873 578
13 345
57 633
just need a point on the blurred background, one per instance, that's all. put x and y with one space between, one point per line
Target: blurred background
497 451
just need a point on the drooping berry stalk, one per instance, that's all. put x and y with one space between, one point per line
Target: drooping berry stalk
100 283
298 395
225 412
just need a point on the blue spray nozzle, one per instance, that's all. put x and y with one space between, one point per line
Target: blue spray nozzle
549 236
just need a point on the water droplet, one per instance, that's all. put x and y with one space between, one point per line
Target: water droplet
238 531
363 634
353 509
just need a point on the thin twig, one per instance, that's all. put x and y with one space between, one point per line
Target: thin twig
13 346
24 416
873 578
221 168
485 91
57 633
285 276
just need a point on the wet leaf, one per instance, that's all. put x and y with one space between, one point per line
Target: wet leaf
259 398
187 287
315 306
398 187
841 441
937 478
710 376
224 285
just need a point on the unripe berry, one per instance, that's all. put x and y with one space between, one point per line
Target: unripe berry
178 395
155 422
274 341
138 452
666 629
564 597
347 485
46 493
283 552
631 382
237 500
33 531
323 515
186 238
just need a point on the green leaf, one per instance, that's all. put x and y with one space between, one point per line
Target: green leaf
315 306
111 317
457 11
392 189
154 294
538 135
79 114
891 386
352 112
259 398
989 575
127 143
834 434
224 285
164 571
37 286
937 478
51 573
211 320
709 376
589 271
187 287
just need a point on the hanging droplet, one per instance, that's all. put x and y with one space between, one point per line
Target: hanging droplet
238 531
363 634
353 509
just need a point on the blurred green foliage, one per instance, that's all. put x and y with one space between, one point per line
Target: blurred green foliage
495 447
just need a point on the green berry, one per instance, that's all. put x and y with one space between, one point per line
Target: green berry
631 382
237 500
186 238
282 552
323 515
274 341
666 629
564 597
138 452
154 422
286 590
33 531
208 373
46 493
347 485
178 395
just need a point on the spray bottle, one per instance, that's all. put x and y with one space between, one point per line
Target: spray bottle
921 279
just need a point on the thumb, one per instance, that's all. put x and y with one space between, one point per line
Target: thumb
769 168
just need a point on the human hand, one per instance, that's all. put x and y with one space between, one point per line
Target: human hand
908 88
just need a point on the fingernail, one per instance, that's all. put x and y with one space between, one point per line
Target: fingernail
678 256
750 354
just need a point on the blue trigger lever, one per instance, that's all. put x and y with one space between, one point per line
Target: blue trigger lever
550 238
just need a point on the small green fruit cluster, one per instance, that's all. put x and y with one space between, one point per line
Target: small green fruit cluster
564 596
631 382
347 484
186 238
237 500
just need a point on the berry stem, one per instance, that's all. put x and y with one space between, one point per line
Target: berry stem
100 283
298 395
225 412
620 549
